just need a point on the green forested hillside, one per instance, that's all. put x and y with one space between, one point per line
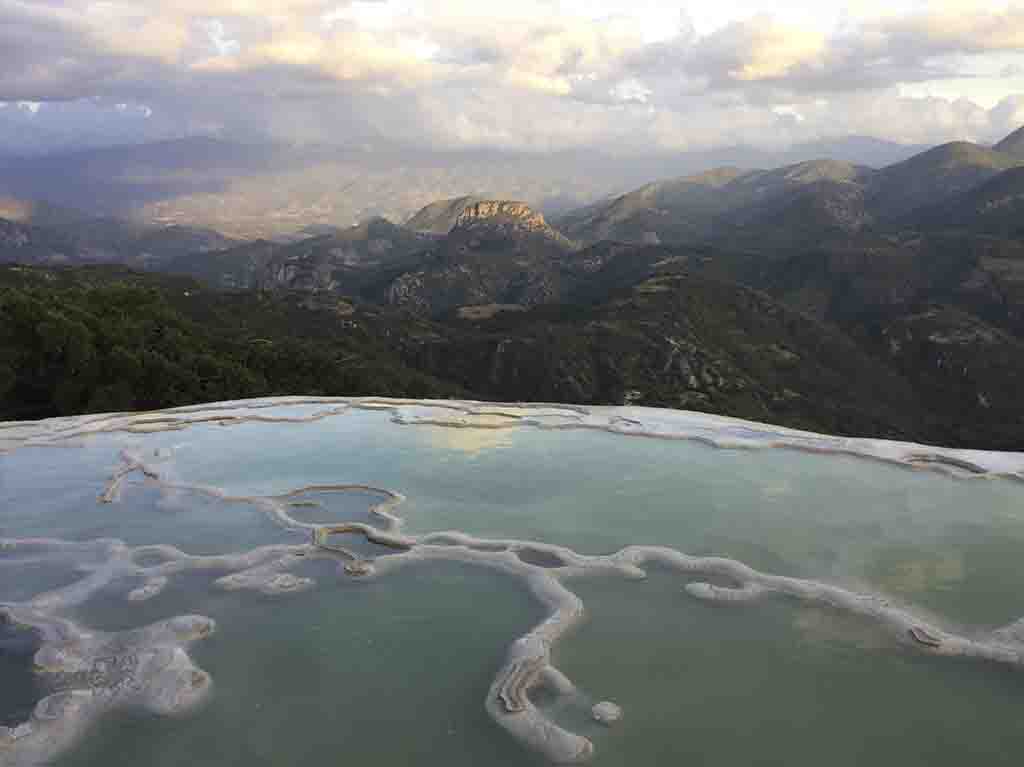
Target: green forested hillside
100 339
105 339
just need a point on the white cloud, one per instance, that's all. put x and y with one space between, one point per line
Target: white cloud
536 74
631 90
222 43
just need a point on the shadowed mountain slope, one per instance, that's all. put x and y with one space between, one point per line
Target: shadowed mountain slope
995 207
1012 144
440 217
933 176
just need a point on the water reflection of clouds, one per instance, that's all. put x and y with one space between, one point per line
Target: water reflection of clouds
777 489
487 433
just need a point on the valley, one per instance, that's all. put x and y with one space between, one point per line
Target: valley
824 295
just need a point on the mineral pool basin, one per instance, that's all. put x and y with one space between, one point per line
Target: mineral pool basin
776 683
388 673
395 671
945 544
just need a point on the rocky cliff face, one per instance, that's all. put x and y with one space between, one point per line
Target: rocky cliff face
501 212
337 262
297 273
506 218
498 252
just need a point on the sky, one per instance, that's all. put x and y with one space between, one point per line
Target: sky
536 75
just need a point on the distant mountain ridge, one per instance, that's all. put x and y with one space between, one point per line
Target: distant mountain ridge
700 207
253 191
793 206
993 207
335 261
54 235
796 204
939 173
440 217
1012 144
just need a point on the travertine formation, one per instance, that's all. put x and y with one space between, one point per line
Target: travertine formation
714 430
606 712
93 672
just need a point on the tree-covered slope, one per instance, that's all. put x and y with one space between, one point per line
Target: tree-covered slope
95 340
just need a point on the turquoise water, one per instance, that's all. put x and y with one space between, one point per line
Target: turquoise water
52 492
945 543
395 671
388 673
779 684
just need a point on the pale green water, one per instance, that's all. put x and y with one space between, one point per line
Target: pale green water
395 671
385 673
779 684
948 544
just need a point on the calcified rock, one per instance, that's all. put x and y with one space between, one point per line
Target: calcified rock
711 593
97 672
923 637
606 712
717 431
151 588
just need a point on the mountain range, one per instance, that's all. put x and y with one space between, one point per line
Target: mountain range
801 203
824 293
252 191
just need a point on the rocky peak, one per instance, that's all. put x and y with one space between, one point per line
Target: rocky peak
507 218
439 217
502 212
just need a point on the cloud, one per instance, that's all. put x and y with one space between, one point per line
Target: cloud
538 74
1008 115
758 49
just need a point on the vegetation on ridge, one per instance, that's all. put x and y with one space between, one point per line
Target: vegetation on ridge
106 339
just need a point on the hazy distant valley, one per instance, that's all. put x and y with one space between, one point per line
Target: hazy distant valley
825 293
271 190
